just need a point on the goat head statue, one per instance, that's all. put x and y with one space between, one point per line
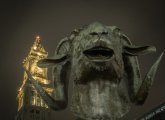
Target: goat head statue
102 64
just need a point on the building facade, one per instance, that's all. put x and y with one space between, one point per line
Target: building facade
30 105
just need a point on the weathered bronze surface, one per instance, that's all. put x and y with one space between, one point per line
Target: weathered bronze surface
102 63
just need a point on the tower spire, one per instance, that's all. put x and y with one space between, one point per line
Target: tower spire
28 98
38 39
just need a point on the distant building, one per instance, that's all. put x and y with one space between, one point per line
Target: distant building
30 105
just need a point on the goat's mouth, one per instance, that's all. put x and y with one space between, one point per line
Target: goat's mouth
99 54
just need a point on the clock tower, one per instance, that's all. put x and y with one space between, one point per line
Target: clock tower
30 105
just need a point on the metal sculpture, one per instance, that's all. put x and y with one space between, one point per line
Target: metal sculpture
102 63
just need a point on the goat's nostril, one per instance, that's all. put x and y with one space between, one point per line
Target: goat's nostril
104 33
93 33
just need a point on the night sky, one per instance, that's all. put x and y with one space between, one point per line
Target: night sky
20 21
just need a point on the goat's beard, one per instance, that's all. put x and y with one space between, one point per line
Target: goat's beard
109 81
87 71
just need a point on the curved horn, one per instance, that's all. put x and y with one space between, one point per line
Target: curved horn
132 70
147 82
61 55
131 64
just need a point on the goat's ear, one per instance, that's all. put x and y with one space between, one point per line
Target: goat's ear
138 50
52 61
61 55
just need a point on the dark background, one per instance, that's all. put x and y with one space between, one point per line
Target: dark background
20 21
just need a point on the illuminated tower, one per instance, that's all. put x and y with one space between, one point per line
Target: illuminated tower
30 104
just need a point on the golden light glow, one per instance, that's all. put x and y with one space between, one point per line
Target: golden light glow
38 39
35 47
36 53
20 99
